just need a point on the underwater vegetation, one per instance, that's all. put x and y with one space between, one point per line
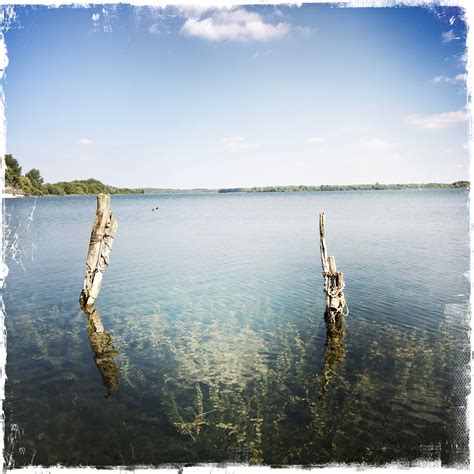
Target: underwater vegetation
227 392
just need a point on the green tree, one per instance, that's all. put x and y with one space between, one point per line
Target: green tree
35 177
25 185
74 187
55 189
28 187
13 171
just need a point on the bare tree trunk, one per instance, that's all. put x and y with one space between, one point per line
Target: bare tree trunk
100 245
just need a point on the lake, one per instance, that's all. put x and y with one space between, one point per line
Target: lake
209 344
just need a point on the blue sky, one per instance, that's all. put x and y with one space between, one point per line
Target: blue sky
247 96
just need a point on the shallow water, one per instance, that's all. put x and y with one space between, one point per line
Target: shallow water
214 348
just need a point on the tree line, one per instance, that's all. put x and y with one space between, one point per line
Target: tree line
344 187
32 183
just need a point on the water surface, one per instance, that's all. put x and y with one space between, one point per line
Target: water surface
208 342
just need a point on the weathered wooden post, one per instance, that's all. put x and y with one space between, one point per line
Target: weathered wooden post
333 280
102 236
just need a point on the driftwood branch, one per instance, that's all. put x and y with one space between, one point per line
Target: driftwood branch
100 245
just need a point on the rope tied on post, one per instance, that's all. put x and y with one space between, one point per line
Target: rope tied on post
336 294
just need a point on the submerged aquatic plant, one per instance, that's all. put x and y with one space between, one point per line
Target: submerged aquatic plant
284 395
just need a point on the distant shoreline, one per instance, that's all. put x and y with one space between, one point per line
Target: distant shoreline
306 188
9 193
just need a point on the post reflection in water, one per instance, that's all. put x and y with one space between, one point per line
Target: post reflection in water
104 351
334 350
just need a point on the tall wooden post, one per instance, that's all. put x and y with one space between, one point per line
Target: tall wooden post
100 245
333 280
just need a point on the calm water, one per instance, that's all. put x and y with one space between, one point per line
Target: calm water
214 347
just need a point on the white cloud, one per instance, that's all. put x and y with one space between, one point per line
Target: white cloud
95 17
258 54
235 144
448 36
376 144
449 80
85 141
315 140
437 121
304 31
238 24
439 79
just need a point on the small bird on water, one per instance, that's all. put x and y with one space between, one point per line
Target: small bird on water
155 209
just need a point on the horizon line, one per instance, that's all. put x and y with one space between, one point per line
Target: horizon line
301 185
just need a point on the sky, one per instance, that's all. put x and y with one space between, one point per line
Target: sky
187 97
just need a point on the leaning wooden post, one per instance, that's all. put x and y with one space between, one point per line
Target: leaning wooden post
333 280
102 236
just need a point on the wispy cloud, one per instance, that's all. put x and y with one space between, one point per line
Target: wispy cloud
258 53
85 141
234 24
235 144
440 79
315 140
449 80
376 144
448 36
437 121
